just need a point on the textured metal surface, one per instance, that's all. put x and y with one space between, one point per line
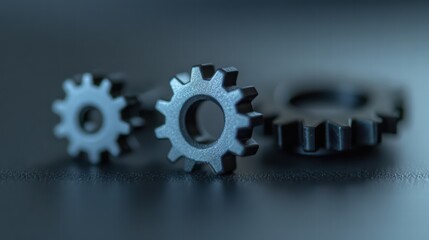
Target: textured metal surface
357 115
271 195
103 95
181 126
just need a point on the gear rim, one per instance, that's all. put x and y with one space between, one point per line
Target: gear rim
235 103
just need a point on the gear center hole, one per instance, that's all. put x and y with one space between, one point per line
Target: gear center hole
205 122
329 101
90 120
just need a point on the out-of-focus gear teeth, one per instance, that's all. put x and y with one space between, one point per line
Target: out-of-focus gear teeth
87 80
69 86
94 95
120 103
310 134
124 128
370 112
73 149
389 124
93 156
106 85
338 137
58 107
189 165
60 131
219 87
114 149
366 132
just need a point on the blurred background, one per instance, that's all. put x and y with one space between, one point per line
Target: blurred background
380 194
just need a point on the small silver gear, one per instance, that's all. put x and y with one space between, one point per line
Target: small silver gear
103 95
182 129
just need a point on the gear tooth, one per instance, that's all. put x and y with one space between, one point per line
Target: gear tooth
203 71
87 79
174 154
390 122
250 147
114 149
69 86
225 77
238 148
161 132
124 128
244 94
366 132
136 122
286 132
249 119
93 156
312 135
224 165
106 85
73 149
243 121
255 118
338 136
162 106
120 103
345 122
189 165
176 84
237 95
183 77
60 131
58 107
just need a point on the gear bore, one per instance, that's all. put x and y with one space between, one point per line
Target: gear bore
95 117
358 118
181 126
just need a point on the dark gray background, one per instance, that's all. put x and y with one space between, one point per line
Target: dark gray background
382 194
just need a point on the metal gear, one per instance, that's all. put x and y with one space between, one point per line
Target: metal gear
366 113
95 95
181 127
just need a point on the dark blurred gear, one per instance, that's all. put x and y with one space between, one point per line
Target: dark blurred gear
181 126
95 117
326 117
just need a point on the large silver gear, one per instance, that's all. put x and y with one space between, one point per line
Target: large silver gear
181 126
105 96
